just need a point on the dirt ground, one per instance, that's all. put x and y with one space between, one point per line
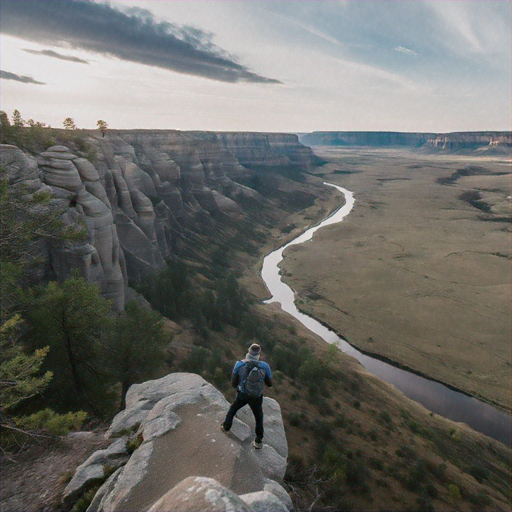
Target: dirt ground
414 272
33 480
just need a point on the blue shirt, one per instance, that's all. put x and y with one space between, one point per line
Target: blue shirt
260 364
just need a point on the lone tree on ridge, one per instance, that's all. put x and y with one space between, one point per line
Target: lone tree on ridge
69 123
102 127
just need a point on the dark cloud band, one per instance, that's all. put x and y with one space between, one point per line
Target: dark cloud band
55 55
6 75
133 36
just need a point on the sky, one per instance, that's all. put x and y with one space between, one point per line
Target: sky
259 65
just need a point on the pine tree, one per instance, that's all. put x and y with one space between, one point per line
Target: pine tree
102 127
17 121
72 318
20 381
69 123
137 347
26 220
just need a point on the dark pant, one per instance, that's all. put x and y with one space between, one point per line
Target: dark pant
256 405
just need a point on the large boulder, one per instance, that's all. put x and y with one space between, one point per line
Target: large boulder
264 500
93 469
176 421
198 493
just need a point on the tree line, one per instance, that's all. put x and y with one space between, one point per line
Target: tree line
35 136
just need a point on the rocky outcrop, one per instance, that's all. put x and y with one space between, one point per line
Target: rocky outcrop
144 193
58 172
85 199
182 460
489 143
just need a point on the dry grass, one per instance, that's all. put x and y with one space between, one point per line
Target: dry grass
414 272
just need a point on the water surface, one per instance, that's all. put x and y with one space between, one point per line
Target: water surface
433 395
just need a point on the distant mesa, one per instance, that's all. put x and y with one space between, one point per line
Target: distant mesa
479 143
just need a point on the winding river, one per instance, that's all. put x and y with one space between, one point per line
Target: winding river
433 395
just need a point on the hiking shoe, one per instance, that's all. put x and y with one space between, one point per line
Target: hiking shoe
223 428
258 445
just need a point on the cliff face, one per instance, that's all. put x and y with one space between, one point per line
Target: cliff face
267 149
468 142
485 143
374 139
146 190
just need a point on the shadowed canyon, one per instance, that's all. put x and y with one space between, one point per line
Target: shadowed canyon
417 274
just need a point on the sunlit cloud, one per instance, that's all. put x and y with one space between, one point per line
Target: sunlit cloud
134 36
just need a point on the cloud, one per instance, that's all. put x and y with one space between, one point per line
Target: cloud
6 75
134 35
402 49
51 53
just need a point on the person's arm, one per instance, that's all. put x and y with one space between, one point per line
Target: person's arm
235 377
268 376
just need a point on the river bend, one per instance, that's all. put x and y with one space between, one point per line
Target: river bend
433 395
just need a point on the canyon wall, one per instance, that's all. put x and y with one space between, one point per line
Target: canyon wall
143 191
489 143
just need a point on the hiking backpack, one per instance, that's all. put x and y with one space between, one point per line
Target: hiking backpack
252 379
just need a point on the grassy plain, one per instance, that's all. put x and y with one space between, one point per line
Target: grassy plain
420 271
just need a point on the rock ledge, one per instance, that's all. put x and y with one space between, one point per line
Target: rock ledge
182 460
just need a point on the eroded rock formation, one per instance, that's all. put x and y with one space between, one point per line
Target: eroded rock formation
145 189
184 461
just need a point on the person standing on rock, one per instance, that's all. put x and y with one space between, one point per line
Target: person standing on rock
248 377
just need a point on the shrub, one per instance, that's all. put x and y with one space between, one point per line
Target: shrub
413 426
340 420
474 198
416 477
295 419
478 472
134 443
322 429
82 504
481 499
333 456
405 452
425 504
56 424
384 418
375 463
404 414
454 492
357 476
196 360
431 490
440 472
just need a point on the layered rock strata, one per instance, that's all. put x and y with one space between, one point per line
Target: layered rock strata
464 142
184 461
145 191
79 200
